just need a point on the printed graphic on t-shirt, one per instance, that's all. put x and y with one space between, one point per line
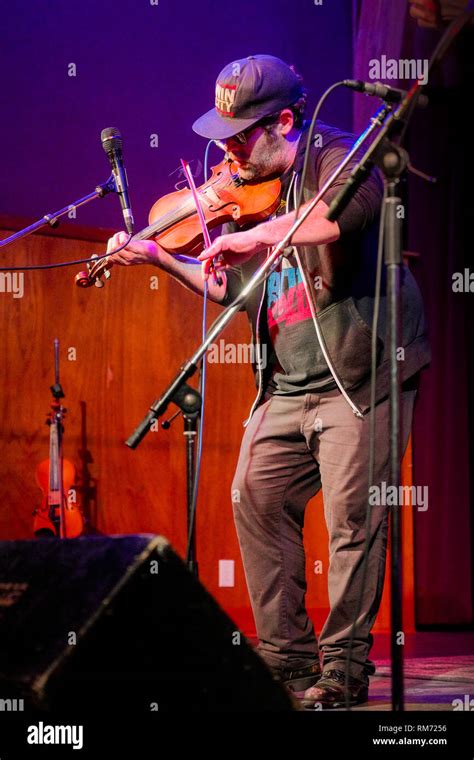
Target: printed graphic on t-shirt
286 298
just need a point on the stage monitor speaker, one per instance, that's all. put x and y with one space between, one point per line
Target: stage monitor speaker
119 622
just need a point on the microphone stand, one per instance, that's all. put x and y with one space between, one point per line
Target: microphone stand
53 219
392 160
189 401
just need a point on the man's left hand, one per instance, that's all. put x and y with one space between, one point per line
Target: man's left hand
231 250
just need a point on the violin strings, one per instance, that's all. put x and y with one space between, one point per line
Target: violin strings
146 233
177 214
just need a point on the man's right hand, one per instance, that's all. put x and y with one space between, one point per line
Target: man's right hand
149 252
141 252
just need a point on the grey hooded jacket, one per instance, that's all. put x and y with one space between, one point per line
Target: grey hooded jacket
345 304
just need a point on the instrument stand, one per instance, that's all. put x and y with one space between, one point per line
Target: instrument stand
59 413
189 401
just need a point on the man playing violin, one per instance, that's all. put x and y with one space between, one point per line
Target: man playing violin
308 427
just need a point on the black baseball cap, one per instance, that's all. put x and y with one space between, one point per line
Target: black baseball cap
246 91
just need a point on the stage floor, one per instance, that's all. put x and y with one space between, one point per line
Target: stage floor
431 683
438 668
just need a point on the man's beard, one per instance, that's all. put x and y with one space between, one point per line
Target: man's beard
250 172
269 164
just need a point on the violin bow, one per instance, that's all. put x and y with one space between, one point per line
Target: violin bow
205 231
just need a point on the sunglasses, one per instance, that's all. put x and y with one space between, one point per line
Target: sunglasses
266 123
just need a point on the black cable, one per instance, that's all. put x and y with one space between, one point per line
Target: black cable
308 144
202 384
67 263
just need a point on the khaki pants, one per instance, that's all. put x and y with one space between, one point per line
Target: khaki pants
292 447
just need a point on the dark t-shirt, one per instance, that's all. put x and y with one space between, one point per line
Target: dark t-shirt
300 363
293 350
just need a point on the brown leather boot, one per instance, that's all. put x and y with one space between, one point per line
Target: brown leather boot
298 679
329 691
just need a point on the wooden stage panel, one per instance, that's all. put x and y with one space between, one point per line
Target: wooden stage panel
120 346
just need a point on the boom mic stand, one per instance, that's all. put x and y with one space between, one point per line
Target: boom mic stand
53 219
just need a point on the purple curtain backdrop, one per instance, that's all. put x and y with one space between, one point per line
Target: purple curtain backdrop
379 30
443 430
437 229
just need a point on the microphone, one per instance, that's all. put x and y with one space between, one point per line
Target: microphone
112 144
383 91
222 147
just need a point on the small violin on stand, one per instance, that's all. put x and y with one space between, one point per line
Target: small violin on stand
57 516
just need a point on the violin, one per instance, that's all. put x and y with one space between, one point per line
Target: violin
174 222
56 516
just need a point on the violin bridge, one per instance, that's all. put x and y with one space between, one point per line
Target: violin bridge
210 197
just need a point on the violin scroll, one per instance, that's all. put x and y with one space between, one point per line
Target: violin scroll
94 274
